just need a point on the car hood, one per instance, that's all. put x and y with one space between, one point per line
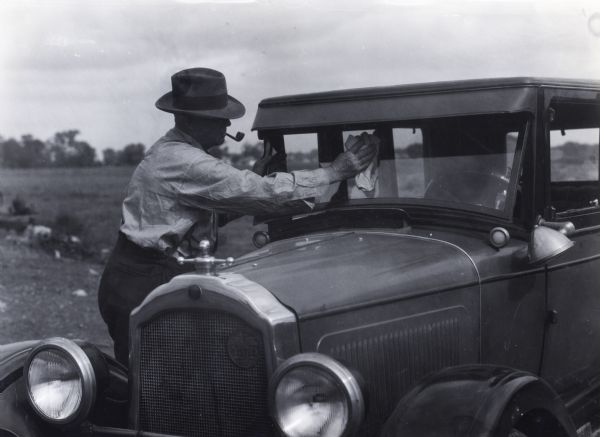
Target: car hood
337 271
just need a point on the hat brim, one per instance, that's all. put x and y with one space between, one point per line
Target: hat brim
234 108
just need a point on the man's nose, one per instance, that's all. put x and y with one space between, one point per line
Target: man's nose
228 123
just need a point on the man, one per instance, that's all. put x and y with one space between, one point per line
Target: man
177 190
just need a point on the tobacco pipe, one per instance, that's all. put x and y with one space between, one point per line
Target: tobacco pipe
238 137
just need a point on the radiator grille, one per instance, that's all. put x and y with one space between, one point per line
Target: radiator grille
203 373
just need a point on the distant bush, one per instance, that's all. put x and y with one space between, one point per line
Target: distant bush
68 224
19 207
131 155
67 232
67 151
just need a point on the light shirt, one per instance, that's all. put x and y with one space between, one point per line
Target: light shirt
177 189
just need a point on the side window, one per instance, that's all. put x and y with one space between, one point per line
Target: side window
574 155
574 145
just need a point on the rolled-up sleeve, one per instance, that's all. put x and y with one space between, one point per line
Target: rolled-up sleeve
212 183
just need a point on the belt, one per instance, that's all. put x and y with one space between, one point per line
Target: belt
129 248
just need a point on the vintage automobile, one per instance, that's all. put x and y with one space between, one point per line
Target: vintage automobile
459 296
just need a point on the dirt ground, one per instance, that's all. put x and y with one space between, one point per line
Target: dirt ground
41 297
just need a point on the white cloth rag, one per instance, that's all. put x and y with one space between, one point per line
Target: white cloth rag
366 180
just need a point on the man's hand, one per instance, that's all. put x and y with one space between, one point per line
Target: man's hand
354 160
270 164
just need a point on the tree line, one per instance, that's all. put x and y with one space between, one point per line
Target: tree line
64 149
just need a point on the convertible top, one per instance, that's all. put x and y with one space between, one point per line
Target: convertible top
406 102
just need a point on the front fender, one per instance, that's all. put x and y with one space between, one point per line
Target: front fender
12 358
482 401
16 416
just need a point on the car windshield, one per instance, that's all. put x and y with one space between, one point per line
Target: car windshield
459 162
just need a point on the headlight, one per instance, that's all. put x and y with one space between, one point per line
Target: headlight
60 379
312 394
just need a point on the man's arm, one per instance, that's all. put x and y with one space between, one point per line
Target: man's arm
211 183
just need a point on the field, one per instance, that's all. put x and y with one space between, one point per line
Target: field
40 296
92 195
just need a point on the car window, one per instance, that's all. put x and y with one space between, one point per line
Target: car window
302 151
574 137
574 155
409 163
461 160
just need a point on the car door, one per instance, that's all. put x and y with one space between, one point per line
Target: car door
572 346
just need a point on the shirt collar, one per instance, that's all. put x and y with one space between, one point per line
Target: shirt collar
176 134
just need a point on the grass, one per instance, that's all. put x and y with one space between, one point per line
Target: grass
93 197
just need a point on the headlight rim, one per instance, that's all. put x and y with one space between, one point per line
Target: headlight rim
86 372
342 376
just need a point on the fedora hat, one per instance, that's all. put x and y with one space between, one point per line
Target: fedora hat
200 92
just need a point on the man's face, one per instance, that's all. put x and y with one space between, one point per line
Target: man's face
208 131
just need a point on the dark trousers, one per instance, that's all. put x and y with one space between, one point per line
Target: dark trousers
131 273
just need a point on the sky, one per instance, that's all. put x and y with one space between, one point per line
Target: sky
99 66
